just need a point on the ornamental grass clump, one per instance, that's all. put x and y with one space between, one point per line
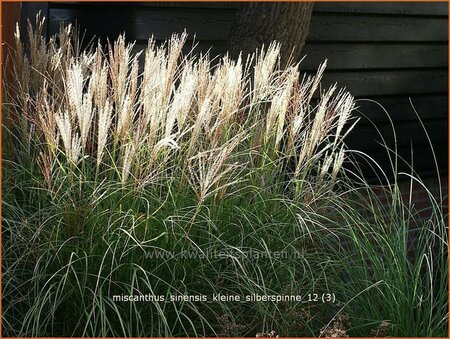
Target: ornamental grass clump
133 191
178 119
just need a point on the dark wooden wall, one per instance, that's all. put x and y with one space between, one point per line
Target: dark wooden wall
388 52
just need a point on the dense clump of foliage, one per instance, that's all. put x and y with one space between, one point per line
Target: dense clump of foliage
183 178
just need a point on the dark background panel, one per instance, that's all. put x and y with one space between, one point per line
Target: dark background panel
389 82
402 108
376 28
379 56
139 23
393 8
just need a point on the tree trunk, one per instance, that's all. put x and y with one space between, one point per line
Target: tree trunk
260 23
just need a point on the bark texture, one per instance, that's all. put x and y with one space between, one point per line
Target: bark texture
259 23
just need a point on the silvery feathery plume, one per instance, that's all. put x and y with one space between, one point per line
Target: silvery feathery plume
264 70
104 122
80 104
337 165
347 104
279 107
317 129
326 165
85 119
65 131
74 83
124 117
167 142
75 149
127 161
182 100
